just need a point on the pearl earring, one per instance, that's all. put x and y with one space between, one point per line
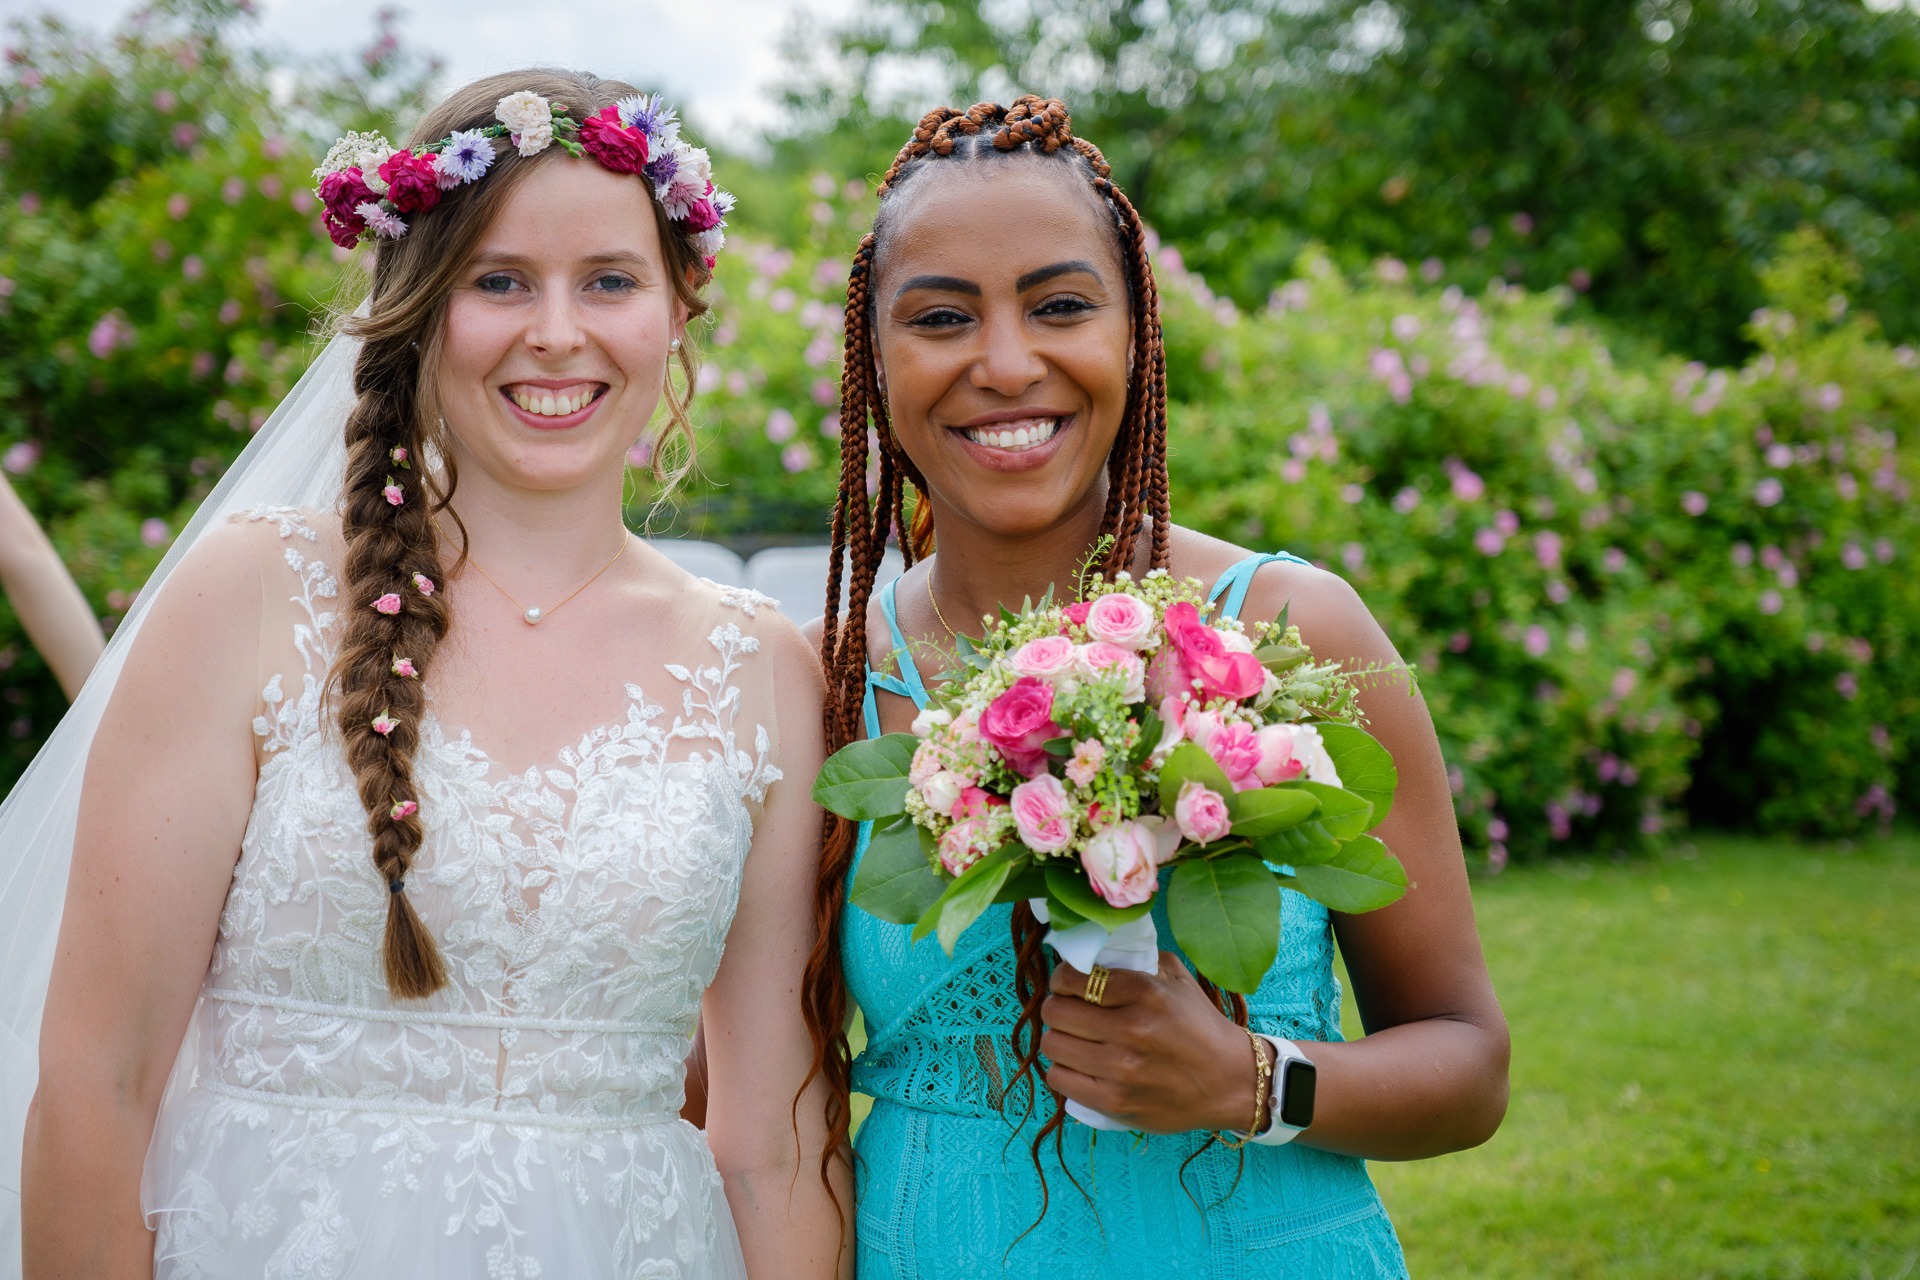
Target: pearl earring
675 345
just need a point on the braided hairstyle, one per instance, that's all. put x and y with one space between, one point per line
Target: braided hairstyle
397 449
867 511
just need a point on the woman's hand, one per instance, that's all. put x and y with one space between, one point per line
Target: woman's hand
1155 1053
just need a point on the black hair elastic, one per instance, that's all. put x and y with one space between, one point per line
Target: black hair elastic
395 886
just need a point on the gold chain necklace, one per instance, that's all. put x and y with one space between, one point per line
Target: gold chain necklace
936 608
534 615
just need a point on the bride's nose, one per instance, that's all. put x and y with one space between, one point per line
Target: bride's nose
554 328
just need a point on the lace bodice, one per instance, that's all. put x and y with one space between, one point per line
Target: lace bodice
581 909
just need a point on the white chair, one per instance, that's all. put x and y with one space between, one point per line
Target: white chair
797 578
705 560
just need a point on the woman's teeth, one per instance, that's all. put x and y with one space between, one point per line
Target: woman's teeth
548 405
1028 433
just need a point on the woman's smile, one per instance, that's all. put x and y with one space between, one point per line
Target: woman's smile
553 405
1013 439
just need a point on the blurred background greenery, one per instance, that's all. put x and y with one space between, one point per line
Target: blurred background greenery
1579 336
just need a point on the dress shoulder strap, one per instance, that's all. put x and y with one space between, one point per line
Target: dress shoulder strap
1234 582
908 683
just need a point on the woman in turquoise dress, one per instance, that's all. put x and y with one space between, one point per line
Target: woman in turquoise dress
1003 342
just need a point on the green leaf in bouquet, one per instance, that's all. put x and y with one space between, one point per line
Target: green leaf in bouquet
969 655
1189 763
896 880
971 893
1366 768
1029 881
1281 658
1310 842
1345 814
1059 748
1265 811
1151 727
1225 914
1067 885
1061 916
1361 876
868 779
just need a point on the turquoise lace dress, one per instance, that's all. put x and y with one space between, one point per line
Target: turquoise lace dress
946 1184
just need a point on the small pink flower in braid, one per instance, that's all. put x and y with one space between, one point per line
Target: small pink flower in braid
402 809
393 493
388 604
403 667
398 456
423 584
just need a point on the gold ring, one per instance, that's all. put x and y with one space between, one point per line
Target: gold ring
1096 983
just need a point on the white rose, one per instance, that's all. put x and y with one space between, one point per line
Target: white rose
1312 752
524 111
1235 641
533 140
941 792
929 719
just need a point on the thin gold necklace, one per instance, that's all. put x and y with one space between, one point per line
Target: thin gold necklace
534 615
936 607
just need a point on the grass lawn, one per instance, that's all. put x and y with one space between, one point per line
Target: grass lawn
1714 1072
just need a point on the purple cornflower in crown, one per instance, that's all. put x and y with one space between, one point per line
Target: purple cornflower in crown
369 188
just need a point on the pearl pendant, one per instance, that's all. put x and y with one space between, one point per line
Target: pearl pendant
533 616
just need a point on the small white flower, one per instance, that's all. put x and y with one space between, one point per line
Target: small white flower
524 112
346 153
930 719
1311 751
381 222
1235 641
710 242
532 141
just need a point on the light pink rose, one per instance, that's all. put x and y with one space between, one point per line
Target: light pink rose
966 728
1049 658
1201 726
1077 612
1215 670
926 763
1042 812
1201 814
388 604
1120 619
1120 864
941 792
1173 726
1277 760
963 845
1102 658
1019 723
974 803
1168 676
1166 836
1237 751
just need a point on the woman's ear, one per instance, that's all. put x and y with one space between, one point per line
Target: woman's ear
880 379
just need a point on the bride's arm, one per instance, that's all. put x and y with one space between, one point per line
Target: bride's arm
168 788
758 1049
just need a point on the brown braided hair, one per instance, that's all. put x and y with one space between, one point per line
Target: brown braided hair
395 549
864 519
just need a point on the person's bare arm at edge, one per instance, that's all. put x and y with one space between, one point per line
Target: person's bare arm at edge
168 790
757 1045
45 597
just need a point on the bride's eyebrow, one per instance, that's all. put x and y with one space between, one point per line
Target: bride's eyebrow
608 258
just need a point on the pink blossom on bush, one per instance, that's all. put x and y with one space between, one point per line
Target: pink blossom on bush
21 457
1768 492
155 533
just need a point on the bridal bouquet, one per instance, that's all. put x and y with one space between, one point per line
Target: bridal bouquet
1087 748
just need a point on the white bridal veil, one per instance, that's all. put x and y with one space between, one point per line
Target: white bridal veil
297 459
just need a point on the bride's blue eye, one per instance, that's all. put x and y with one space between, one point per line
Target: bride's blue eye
611 283
498 282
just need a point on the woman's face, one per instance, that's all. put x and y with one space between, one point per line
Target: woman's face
1002 325
558 332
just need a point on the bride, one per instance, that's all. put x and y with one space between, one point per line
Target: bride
423 819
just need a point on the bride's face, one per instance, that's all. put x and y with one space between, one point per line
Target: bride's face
558 333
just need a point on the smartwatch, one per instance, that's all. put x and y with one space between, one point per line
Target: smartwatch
1290 1104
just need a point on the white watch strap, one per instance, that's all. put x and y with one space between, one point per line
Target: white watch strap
1277 1134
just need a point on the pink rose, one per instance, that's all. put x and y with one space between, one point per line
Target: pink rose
404 668
1120 619
926 763
388 604
1166 836
1277 760
1216 670
963 845
1101 659
413 182
341 192
613 144
1077 612
941 792
975 802
1120 864
1042 813
1019 723
1236 749
1201 814
1173 726
1049 658
1167 675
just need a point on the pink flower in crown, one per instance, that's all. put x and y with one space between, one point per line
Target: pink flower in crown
423 584
616 146
388 604
413 181
1236 749
1049 658
404 668
1278 763
1101 660
402 810
1201 813
1019 723
1216 670
1078 611
1088 755
343 193
393 493
1120 619
1121 863
1042 814
384 724
701 215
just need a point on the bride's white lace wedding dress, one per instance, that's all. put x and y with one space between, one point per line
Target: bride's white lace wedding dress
522 1122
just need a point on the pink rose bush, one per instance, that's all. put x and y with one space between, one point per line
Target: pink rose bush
1101 752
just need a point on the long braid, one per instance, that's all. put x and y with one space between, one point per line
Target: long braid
863 521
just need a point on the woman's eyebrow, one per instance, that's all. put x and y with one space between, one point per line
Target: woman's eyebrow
946 284
1040 275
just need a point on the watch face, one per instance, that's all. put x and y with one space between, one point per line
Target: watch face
1296 1094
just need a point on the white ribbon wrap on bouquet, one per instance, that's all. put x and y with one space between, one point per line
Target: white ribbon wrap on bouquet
1135 945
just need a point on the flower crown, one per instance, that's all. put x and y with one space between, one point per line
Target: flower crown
366 185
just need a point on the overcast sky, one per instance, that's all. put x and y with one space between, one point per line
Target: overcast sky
715 57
